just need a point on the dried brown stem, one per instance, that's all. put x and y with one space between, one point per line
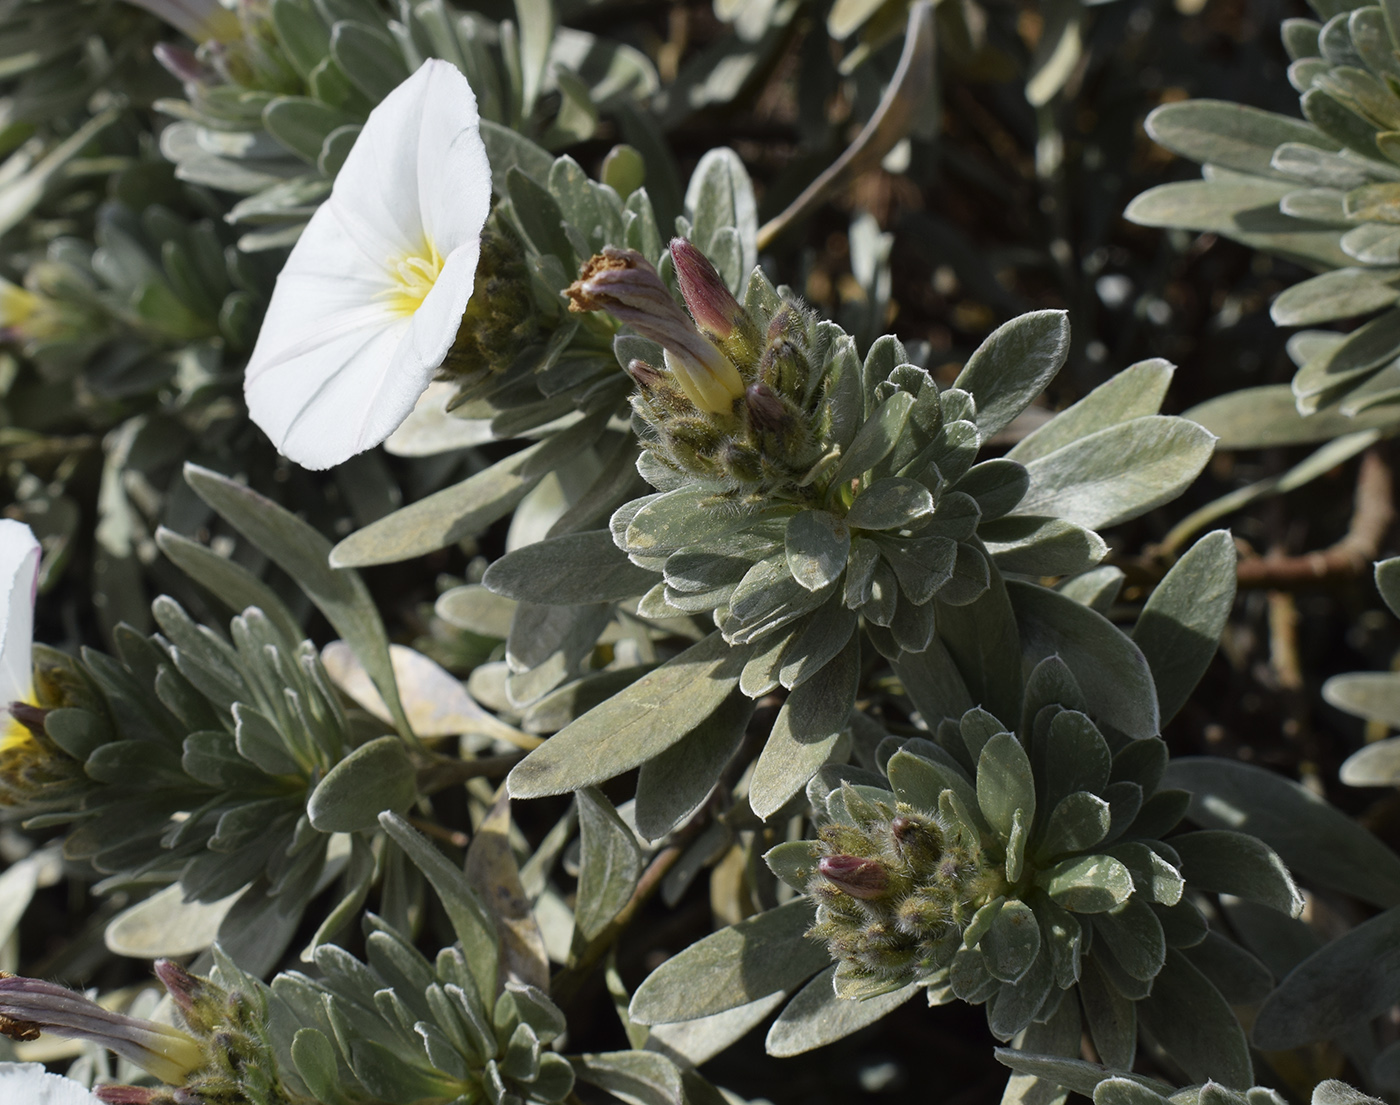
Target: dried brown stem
1372 517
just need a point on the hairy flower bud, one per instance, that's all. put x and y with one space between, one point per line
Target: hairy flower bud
861 878
623 283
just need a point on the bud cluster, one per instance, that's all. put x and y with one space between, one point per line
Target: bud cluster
896 889
1007 868
502 326
734 400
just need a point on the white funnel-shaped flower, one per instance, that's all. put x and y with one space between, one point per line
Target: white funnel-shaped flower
373 293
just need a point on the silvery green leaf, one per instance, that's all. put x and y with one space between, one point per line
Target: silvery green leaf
1242 208
1232 136
609 865
997 485
575 569
1225 862
1352 978
761 955
1154 877
1110 669
1256 418
315 1060
674 784
1087 884
470 919
1371 695
649 716
1012 942
1373 765
1314 839
794 861
1013 366
814 645
1135 392
808 727
370 58
817 546
890 503
977 727
1004 783
1134 936
984 642
920 782
1097 588
933 684
465 509
1342 293
1180 626
1323 205
816 1016
1189 1018
1074 1074
719 196
1078 822
1013 1007
1111 1017
1058 1034
1239 976
304 554
874 440
376 776
1077 758
1332 1092
1364 350
636 1077
1064 938
1122 1091
1039 545
301 124
1119 472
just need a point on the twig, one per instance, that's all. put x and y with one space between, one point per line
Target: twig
568 981
1371 518
455 837
442 774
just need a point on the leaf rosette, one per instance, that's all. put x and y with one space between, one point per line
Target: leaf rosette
1323 190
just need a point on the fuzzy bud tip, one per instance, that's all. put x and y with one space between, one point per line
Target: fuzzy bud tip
861 878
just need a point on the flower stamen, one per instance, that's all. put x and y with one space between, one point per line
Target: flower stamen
414 276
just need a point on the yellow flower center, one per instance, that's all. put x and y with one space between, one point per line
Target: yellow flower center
13 735
414 276
17 305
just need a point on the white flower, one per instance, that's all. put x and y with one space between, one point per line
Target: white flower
373 293
31 1084
19 578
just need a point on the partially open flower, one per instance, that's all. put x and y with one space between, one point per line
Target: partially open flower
29 1006
19 579
201 20
371 298
31 1084
623 283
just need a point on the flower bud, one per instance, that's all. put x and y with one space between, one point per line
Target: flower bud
713 307
645 376
124 1095
623 283
767 414
180 63
861 878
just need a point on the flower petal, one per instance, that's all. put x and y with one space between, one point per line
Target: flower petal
336 367
31 1084
19 578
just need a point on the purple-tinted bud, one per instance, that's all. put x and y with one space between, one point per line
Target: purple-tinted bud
31 717
124 1095
644 374
860 878
712 306
766 411
182 986
180 63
